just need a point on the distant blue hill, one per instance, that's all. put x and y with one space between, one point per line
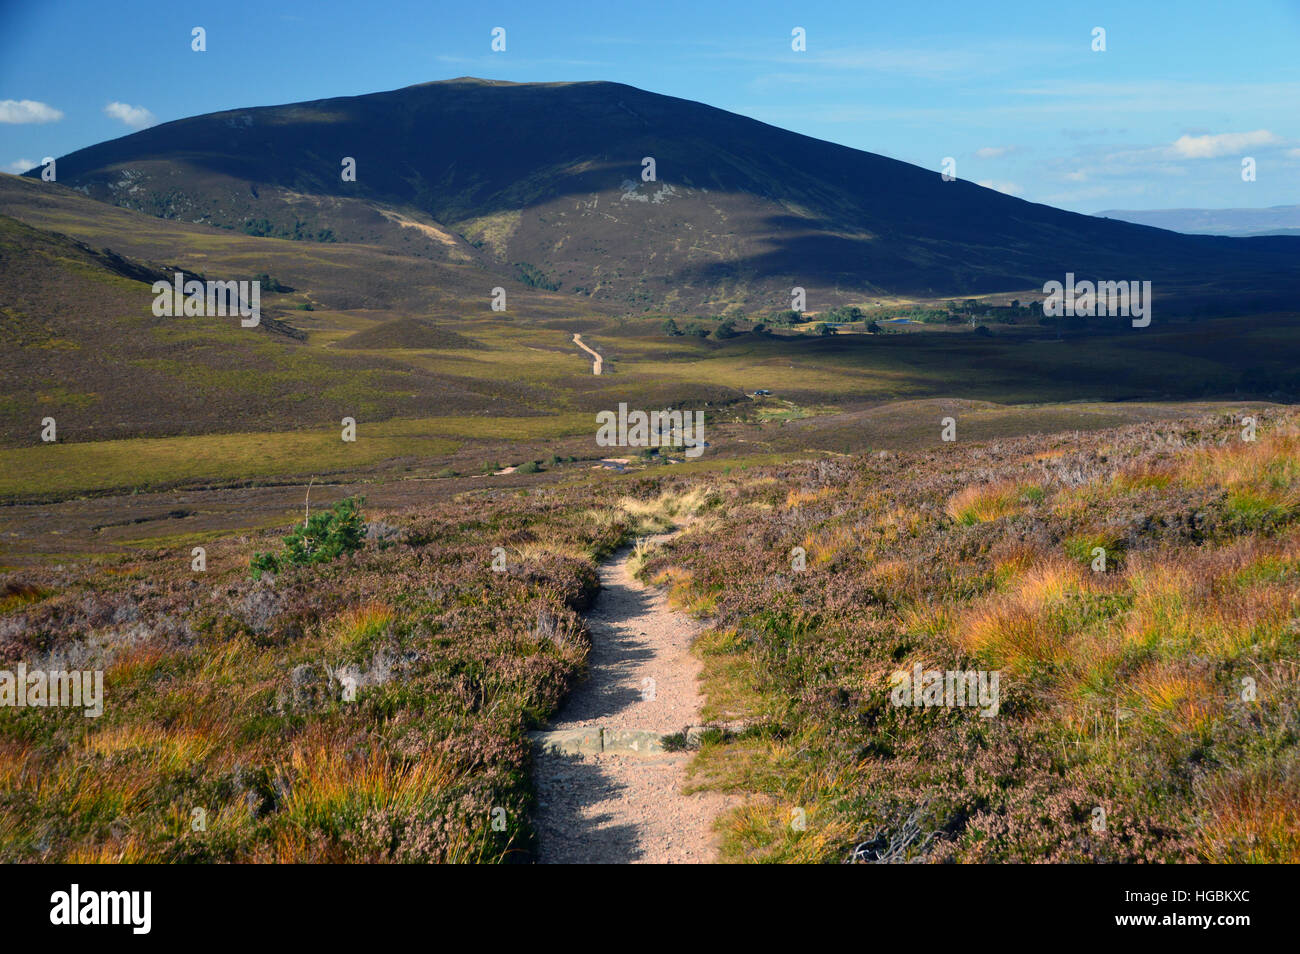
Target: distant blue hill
1277 220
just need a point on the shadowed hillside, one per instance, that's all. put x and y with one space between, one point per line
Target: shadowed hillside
471 170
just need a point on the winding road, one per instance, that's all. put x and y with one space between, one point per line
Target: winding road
598 362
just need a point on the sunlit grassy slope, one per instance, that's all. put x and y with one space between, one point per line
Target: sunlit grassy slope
1134 589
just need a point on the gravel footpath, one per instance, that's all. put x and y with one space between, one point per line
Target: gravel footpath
612 808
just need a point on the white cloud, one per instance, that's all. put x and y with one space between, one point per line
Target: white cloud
27 111
1293 153
1224 144
1010 188
21 165
993 152
137 117
1079 175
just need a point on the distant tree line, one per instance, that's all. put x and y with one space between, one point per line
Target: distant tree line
301 231
970 311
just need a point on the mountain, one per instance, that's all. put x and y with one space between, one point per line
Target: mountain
543 182
1276 220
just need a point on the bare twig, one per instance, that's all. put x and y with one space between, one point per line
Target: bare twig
888 847
306 516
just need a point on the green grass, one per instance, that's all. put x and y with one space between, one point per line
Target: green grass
156 462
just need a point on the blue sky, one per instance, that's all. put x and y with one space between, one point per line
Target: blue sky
1012 91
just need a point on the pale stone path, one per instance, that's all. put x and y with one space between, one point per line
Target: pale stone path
598 361
607 792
